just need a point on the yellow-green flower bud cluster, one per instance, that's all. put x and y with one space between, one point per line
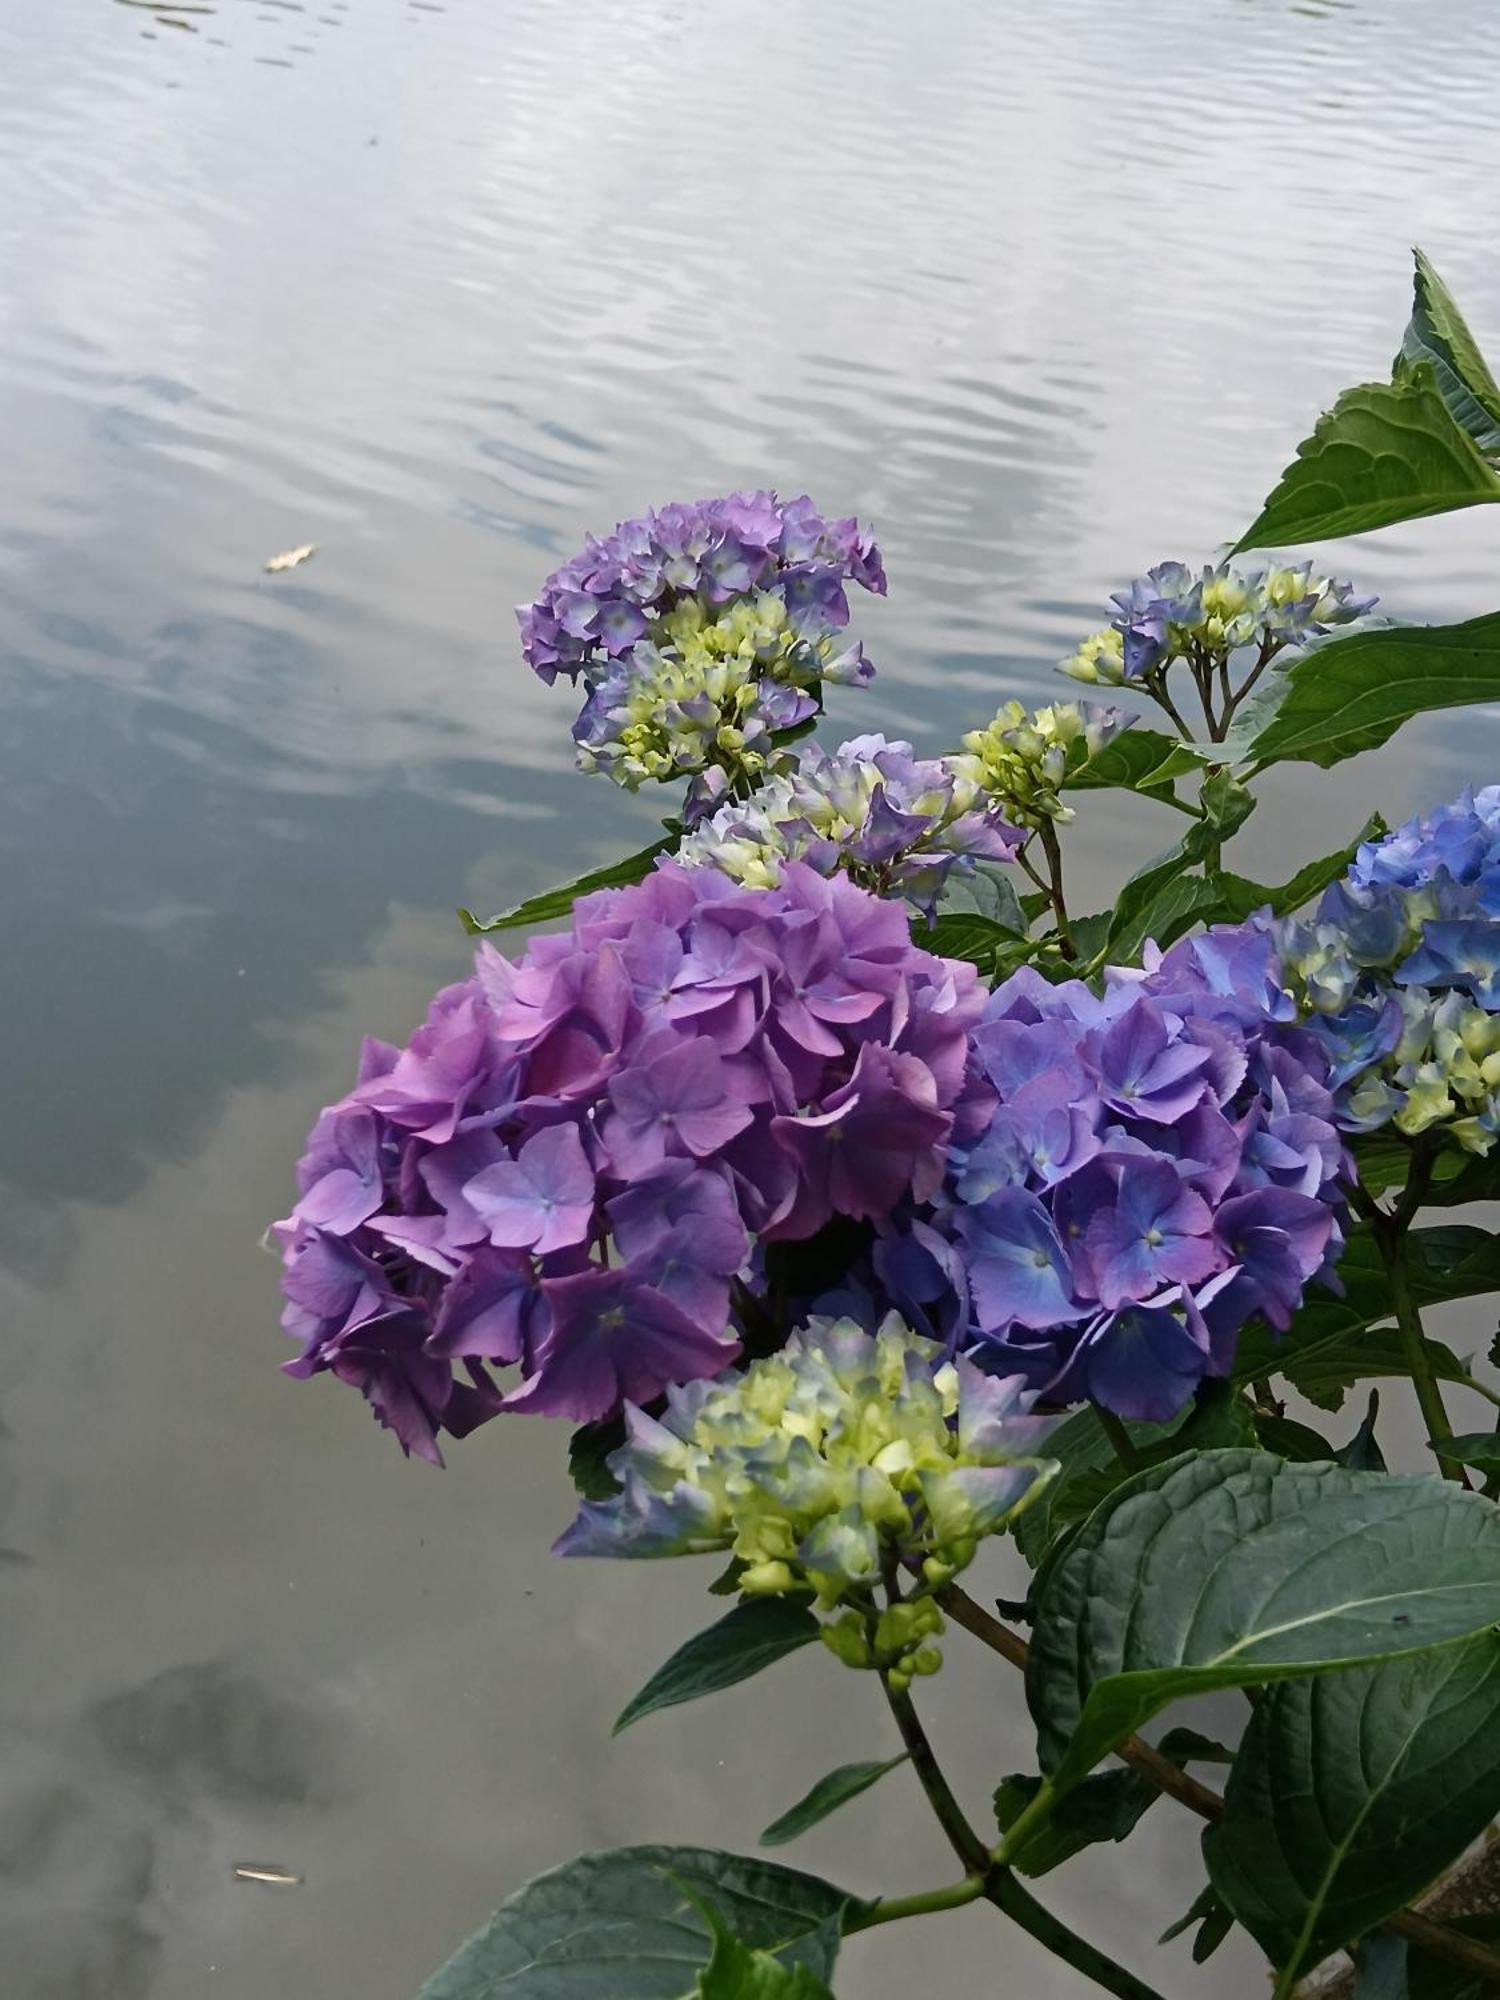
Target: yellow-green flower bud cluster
712 686
1023 760
1099 661
824 1469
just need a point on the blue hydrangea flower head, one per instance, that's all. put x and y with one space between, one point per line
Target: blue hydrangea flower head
1398 974
1156 1165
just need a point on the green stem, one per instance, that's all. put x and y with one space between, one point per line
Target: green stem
1391 1242
1032 1816
1007 1893
926 1903
1053 852
1155 685
986 1873
1119 1440
949 1814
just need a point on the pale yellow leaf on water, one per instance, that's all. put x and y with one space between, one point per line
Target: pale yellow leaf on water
291 557
278 1878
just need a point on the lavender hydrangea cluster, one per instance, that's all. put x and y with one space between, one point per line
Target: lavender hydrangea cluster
1161 1165
564 1171
604 601
1173 612
703 633
821 1465
895 822
1398 971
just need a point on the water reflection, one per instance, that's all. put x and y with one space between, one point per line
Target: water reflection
1046 293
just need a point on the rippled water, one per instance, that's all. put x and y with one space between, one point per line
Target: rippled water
1047 293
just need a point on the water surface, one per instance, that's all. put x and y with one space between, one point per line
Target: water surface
1047 293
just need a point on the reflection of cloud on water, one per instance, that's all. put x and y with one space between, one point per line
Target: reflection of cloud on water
112 1817
211 1730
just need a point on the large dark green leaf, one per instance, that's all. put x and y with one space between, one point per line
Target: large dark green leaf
1355 692
554 903
1385 452
629 1924
1351 1792
1240 896
826 1796
753 1635
1437 333
1232 1568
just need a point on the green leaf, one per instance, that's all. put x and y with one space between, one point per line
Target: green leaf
984 890
1331 1345
1436 333
966 935
629 1925
1137 760
1289 1439
1232 1568
1241 896
1213 1920
1379 1355
1362 1453
826 1796
1226 806
1351 1792
1106 1806
1355 692
1088 1471
1481 1449
1218 1419
588 1448
737 1972
555 903
1175 907
1185 1746
1385 452
753 1635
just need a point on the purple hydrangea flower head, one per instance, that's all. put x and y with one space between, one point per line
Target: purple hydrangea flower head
713 550
566 1171
702 634
1397 973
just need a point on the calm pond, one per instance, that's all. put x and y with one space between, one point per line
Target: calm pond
1047 293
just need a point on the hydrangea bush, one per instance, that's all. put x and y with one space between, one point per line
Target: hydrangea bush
866 1208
